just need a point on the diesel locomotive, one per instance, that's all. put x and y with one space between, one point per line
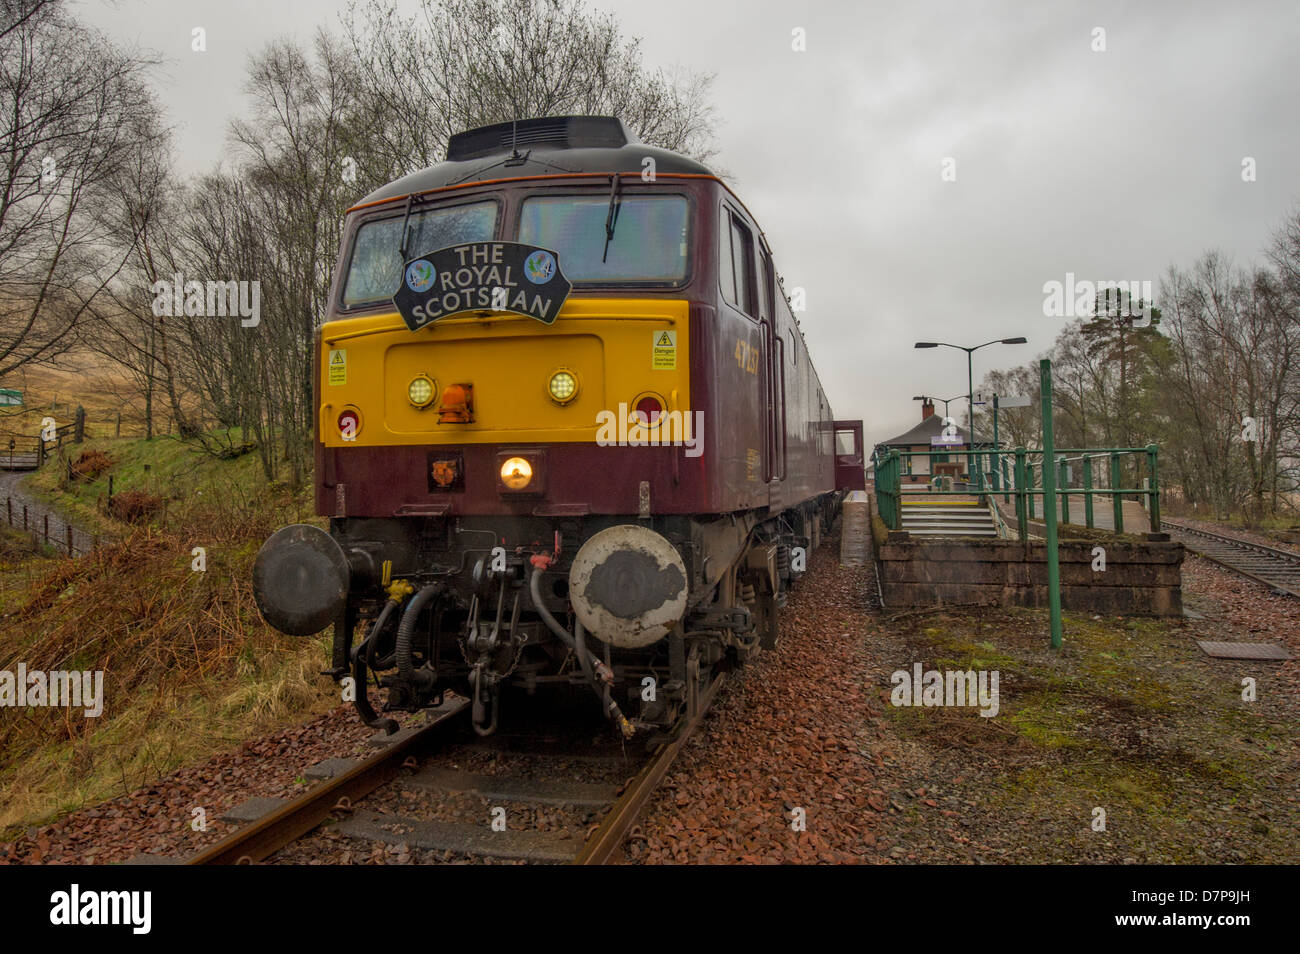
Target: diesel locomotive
567 431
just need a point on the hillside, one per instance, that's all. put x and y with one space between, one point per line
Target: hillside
189 668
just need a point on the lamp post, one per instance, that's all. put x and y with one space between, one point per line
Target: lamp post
944 401
970 387
946 416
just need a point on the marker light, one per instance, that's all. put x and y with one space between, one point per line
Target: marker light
420 391
457 404
349 423
516 473
649 409
562 387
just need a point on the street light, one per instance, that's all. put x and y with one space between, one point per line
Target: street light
970 384
944 401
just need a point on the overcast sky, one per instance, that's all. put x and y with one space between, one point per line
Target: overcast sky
1111 165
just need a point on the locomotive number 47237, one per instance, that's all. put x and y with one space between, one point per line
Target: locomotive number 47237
747 356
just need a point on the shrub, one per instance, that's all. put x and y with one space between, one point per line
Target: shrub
90 464
134 506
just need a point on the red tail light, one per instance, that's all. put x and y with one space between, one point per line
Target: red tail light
649 410
349 423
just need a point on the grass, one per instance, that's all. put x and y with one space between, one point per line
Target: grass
180 473
157 730
1127 716
189 667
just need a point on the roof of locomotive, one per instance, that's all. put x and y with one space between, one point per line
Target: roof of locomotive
553 145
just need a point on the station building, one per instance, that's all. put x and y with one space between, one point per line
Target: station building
949 458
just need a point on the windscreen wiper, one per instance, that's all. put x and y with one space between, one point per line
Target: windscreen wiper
405 237
611 218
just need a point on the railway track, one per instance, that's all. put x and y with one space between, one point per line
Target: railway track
1278 569
620 805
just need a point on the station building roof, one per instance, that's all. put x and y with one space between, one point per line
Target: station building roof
920 434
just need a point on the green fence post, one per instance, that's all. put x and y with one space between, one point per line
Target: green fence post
1029 489
1063 487
876 478
1153 453
1116 499
1022 526
896 471
995 455
884 483
1049 511
1087 491
1006 484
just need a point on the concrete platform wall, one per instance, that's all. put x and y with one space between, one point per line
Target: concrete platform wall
1140 579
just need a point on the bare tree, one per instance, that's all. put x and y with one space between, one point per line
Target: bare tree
457 64
72 106
1231 383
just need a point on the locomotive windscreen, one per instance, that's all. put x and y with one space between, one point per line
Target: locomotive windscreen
648 244
376 267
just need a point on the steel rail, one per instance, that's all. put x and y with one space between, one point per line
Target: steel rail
607 840
262 838
1287 562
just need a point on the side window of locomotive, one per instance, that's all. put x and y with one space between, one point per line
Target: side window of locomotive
649 244
767 293
375 269
742 267
726 264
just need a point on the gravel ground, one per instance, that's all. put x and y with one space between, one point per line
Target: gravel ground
799 729
524 749
1130 716
157 819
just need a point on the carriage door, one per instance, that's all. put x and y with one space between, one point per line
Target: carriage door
773 377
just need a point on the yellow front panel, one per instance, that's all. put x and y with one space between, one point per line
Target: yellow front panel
618 348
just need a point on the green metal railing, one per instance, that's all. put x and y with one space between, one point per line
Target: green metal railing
889 488
1028 480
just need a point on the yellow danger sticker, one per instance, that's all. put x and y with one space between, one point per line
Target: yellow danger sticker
338 366
663 354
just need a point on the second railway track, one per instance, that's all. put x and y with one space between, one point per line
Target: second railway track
599 814
1278 569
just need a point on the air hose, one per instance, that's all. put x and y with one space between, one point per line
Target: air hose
597 673
421 678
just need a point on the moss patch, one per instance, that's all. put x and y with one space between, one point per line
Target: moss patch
1129 717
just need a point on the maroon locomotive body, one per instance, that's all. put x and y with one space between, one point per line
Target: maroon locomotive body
618 496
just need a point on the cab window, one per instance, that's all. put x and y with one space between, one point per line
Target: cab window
375 269
648 245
